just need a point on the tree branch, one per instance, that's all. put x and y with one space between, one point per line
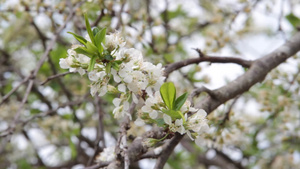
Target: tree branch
213 59
167 150
256 73
55 76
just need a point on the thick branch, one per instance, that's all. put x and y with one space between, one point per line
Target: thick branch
167 150
256 73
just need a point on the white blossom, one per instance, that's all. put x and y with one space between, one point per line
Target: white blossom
113 41
177 126
155 75
121 110
134 56
108 154
96 76
186 107
197 121
65 63
74 61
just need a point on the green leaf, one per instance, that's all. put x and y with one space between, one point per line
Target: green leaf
91 48
115 65
173 114
180 101
99 38
294 20
92 63
108 68
160 122
84 51
168 94
79 38
95 31
88 28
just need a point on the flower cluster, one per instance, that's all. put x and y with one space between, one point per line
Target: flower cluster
112 67
154 110
105 57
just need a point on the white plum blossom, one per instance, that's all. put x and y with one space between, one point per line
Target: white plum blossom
108 154
66 63
74 61
155 76
96 76
174 127
187 107
152 101
121 108
100 85
197 121
114 41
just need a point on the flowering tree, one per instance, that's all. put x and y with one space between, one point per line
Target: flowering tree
137 88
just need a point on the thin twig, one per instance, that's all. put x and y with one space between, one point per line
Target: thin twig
99 165
15 89
100 133
55 76
31 77
227 114
41 115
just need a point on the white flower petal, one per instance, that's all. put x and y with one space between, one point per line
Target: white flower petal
81 71
116 101
126 105
190 135
135 99
122 88
139 122
63 63
103 91
202 113
128 79
204 128
93 76
153 114
167 119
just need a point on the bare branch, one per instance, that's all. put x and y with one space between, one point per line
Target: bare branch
99 165
40 115
167 150
36 70
15 89
227 113
213 59
55 76
256 73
